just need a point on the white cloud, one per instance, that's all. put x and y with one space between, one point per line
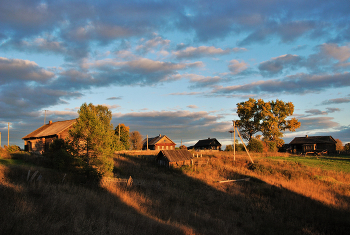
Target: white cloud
237 67
12 70
195 52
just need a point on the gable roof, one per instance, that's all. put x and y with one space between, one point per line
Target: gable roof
155 140
50 129
313 140
207 142
176 155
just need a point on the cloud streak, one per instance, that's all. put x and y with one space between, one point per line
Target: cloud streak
299 84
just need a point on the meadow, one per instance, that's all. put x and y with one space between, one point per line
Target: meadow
285 195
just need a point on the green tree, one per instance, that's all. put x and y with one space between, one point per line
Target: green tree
255 145
347 147
93 140
270 118
250 116
123 136
60 155
238 147
136 140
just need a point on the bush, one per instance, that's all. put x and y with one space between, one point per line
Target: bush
13 148
238 147
255 145
60 156
271 146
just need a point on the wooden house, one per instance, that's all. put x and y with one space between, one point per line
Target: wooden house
208 144
174 158
40 139
313 144
161 142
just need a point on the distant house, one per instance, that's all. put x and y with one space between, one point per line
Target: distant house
40 139
175 158
161 142
208 144
313 144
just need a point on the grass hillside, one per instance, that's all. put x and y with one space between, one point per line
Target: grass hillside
285 195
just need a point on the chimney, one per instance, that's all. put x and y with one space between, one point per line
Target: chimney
50 122
306 136
160 135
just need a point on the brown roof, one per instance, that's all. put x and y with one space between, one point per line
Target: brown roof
50 129
176 155
313 140
155 140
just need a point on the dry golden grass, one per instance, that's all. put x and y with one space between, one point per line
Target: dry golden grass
281 198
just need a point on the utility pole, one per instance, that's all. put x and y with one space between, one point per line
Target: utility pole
8 134
119 131
147 143
45 117
234 148
234 140
0 139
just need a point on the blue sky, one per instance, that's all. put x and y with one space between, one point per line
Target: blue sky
176 68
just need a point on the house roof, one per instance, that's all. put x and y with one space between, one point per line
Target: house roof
207 142
50 129
155 140
176 155
313 140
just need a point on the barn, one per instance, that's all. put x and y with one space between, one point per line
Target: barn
40 139
174 158
208 144
313 144
161 142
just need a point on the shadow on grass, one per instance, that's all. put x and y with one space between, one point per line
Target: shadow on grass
67 208
253 207
169 202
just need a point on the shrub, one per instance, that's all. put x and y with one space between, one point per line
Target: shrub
271 146
255 145
238 147
60 156
13 148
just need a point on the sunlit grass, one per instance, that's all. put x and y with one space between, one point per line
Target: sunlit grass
335 163
282 197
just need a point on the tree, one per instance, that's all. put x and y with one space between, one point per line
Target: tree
250 116
347 147
339 145
123 136
238 147
270 118
136 140
60 155
255 145
93 139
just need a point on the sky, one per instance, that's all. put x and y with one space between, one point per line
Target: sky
176 68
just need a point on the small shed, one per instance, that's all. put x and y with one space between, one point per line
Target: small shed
313 144
40 139
161 142
208 144
175 158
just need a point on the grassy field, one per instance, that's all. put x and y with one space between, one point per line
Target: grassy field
335 163
285 195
